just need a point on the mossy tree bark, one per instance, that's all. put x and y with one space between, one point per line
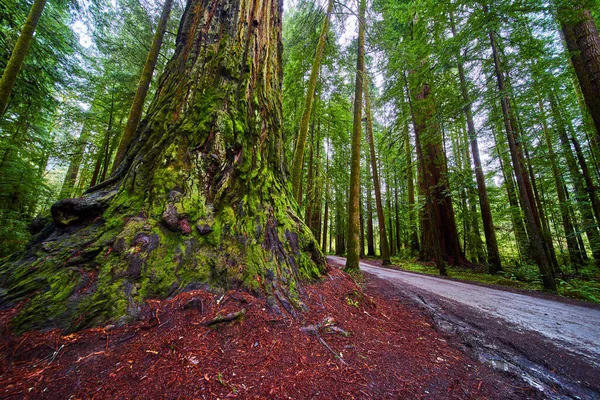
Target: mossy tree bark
438 222
432 236
135 113
9 76
200 197
353 245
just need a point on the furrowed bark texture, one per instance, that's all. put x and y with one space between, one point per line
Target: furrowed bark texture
200 197
9 76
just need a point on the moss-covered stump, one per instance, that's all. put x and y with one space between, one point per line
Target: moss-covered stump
200 198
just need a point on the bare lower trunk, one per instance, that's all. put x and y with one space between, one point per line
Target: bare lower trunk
353 256
383 244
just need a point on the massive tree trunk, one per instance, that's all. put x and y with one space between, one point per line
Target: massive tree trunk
135 113
9 76
353 256
439 238
200 197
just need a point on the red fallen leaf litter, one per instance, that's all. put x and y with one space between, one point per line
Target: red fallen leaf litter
356 341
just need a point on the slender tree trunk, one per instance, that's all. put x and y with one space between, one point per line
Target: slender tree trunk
309 182
397 216
384 245
135 113
370 238
493 254
581 196
521 239
533 228
388 196
315 222
472 193
326 213
589 183
103 150
298 160
325 223
362 226
9 76
570 235
75 163
353 256
577 229
410 188
545 226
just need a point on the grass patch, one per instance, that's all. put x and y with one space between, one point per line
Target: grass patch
584 286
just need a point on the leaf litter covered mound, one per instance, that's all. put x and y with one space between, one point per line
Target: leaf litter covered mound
356 341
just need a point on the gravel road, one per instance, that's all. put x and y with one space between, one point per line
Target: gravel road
551 343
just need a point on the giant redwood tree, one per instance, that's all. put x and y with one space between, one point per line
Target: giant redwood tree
200 197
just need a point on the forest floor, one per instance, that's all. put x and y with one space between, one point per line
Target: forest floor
550 341
358 340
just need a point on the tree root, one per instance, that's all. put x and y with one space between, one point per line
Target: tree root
328 326
226 318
